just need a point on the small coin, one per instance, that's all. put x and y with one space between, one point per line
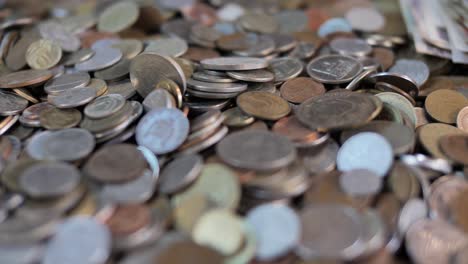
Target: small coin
430 134
253 75
104 106
286 68
49 179
72 97
300 89
58 33
210 87
108 164
234 63
117 71
263 105
173 47
444 105
24 78
234 117
367 19
257 150
418 71
55 118
162 130
64 82
366 150
334 69
43 54
103 58
11 104
360 182
118 17
180 173
159 98
350 47
78 56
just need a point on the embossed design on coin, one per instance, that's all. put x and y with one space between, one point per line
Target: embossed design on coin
43 54
104 106
334 69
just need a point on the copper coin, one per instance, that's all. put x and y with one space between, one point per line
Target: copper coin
430 134
436 83
462 119
295 131
24 78
198 54
191 251
55 118
385 56
444 105
116 163
263 105
128 219
300 89
455 147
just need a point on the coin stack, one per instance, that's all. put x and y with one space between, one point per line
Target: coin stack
235 132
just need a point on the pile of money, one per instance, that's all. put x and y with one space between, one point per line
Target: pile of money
233 132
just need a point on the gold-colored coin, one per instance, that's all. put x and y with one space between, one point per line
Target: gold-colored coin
430 134
186 65
118 17
43 54
173 88
87 207
263 105
444 105
98 85
55 118
188 211
234 117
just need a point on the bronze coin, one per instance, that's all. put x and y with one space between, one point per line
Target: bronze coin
198 54
128 219
263 105
185 252
115 72
55 118
24 78
116 163
455 147
237 41
436 83
88 38
444 105
300 89
462 119
385 56
295 131
430 134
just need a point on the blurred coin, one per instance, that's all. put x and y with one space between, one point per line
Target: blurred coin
455 148
367 19
198 54
206 77
173 47
118 17
24 78
159 98
290 21
128 219
234 63
298 90
400 81
236 41
64 82
129 47
78 56
413 210
104 106
350 47
386 57
180 173
430 134
444 105
399 102
303 50
103 58
418 71
352 182
11 104
216 87
234 117
56 32
130 192
124 88
334 69
321 159
258 22
462 119
43 54
253 75
55 118
286 68
296 132
263 105
114 72
191 251
72 97
259 45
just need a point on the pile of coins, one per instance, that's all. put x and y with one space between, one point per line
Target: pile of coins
236 132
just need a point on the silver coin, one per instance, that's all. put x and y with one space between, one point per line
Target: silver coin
417 70
216 87
56 32
375 232
291 21
115 72
104 106
261 75
162 130
210 95
148 69
258 46
79 240
303 50
255 149
198 105
286 68
400 81
414 210
283 42
234 63
350 47
277 228
205 33
180 173
263 87
67 144
12 104
206 130
72 97
159 98
212 140
64 82
320 159
21 253
173 47
331 231
367 19
103 58
366 150
204 119
136 191
49 179
78 56
112 132
104 43
360 182
124 88
206 77
334 69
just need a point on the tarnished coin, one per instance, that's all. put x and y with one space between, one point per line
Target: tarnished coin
234 63
172 254
401 103
24 78
43 54
259 22
298 90
257 150
334 69
333 111
277 228
49 179
360 182
400 81
128 219
162 130
444 105
118 17
367 19
64 82
11 104
366 150
198 54
147 70
253 75
104 106
55 118
417 70
117 71
159 98
180 173
58 33
72 97
263 105
296 132
286 68
103 58
455 148
109 164
350 47
236 41
124 88
386 57
15 59
172 47
259 45
430 134
78 56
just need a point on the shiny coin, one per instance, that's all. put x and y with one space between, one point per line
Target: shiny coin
277 228
234 63
286 68
334 69
430 134
72 97
444 105
216 87
55 118
455 148
102 59
64 82
43 54
257 150
78 56
234 117
298 90
205 119
180 173
399 102
365 19
172 88
118 17
146 70
24 78
366 150
360 182
162 130
159 98
11 103
57 33
49 179
263 105
104 106
108 164
97 85
253 75
173 47
350 47
23 92
418 71
400 81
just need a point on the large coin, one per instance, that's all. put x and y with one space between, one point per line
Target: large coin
444 105
263 105
334 69
418 71
234 63
55 118
118 17
43 54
